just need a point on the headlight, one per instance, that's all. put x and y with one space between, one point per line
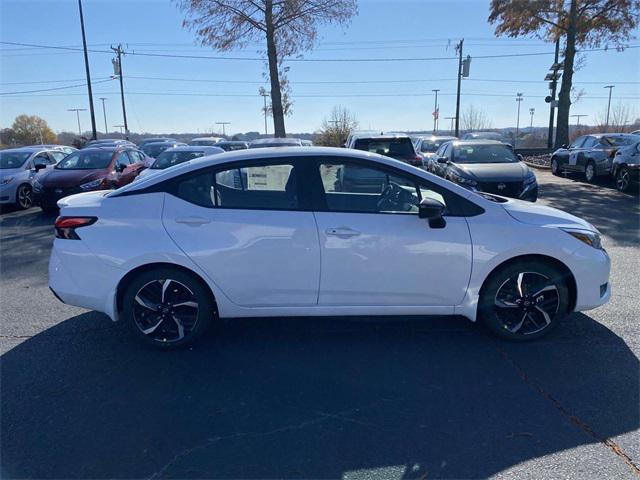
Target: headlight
91 185
586 236
464 181
6 180
530 180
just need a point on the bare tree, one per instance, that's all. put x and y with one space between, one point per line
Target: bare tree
287 27
590 23
474 119
620 118
337 127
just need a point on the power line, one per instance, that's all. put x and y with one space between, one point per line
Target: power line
55 88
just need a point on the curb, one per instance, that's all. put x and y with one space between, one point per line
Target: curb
535 165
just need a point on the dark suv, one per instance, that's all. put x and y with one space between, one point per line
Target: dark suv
591 155
93 168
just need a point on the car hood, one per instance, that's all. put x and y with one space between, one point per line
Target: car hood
534 214
70 178
499 172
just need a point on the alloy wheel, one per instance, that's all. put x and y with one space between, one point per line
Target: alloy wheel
589 172
554 166
165 310
623 180
527 303
25 197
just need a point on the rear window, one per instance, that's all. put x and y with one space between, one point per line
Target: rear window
153 150
618 141
168 159
391 147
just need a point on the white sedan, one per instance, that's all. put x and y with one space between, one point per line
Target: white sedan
319 231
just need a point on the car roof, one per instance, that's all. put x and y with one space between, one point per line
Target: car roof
437 137
194 148
600 135
207 138
29 149
165 142
104 148
267 141
235 142
280 152
478 141
383 136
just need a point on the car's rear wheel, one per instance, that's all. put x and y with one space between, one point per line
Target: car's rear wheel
524 300
555 166
623 180
24 196
168 308
590 172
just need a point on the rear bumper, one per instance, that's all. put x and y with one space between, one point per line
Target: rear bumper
8 193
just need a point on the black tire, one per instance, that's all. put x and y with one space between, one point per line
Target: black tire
590 172
555 167
623 180
24 196
165 317
517 317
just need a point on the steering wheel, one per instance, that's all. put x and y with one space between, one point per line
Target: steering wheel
395 198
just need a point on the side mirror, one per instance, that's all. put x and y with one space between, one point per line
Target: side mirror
39 166
432 210
119 168
443 159
564 145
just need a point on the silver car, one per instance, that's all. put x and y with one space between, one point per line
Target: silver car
18 168
626 167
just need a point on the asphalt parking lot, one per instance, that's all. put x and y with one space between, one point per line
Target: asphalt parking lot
322 398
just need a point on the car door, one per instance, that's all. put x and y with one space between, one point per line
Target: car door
572 153
586 152
137 161
250 229
376 251
125 171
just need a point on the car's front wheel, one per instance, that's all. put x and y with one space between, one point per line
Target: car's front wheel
524 300
623 180
168 308
590 172
24 196
555 166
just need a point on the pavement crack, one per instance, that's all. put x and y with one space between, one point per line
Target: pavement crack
585 427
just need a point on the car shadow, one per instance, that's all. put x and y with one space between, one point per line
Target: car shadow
594 204
314 398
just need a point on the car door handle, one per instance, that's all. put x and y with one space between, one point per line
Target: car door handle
341 232
193 221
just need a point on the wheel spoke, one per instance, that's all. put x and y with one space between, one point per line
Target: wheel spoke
180 327
186 304
165 285
145 303
520 284
152 329
505 304
518 325
548 288
545 315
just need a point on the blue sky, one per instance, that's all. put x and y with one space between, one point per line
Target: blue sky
383 29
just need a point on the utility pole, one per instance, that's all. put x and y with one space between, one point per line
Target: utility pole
553 77
519 100
531 112
264 95
436 113
120 127
224 132
104 113
117 67
578 117
459 49
94 134
452 119
78 110
606 126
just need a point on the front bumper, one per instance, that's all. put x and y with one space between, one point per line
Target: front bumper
48 197
591 268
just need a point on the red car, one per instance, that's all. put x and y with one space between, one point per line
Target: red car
94 168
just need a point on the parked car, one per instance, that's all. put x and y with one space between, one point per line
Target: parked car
18 168
108 142
306 143
176 155
156 140
88 169
487 166
231 145
275 142
357 134
591 155
63 148
419 246
484 136
398 146
205 141
428 146
635 132
156 148
626 167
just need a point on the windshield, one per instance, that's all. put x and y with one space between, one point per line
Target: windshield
230 147
484 154
86 160
391 147
168 159
203 143
13 159
155 149
430 146
619 141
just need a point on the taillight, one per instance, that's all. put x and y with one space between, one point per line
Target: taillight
66 226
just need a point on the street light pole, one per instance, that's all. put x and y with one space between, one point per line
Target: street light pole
436 113
606 126
94 134
78 110
104 113
459 48
531 112
120 127
452 119
224 132
519 100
